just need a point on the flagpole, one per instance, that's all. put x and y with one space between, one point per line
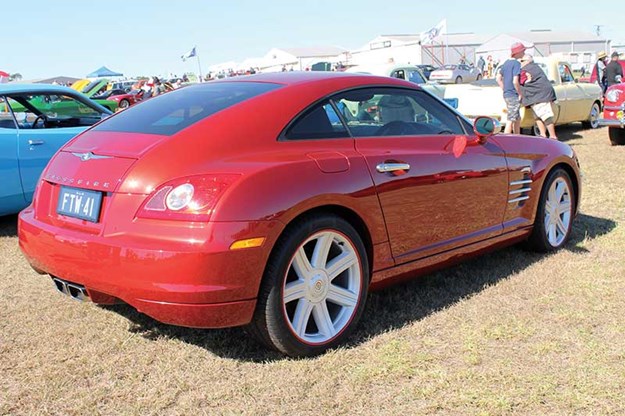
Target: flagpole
198 65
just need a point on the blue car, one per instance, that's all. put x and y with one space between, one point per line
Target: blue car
35 121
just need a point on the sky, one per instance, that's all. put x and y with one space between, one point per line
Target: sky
44 38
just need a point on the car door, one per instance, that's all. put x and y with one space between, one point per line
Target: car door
40 134
11 194
572 108
435 196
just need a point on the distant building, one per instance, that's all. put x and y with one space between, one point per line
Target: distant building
578 47
301 58
449 48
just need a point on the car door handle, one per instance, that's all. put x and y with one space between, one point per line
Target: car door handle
392 167
35 142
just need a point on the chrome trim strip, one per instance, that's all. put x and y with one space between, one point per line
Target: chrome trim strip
519 199
520 191
611 122
523 182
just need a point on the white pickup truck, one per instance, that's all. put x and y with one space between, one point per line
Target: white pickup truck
576 102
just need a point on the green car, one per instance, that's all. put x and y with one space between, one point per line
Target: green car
96 87
64 106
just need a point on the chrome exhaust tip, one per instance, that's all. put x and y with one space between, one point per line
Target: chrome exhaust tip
73 290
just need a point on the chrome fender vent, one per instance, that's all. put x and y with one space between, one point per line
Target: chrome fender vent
520 189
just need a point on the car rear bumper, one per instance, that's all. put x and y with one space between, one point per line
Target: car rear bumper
177 282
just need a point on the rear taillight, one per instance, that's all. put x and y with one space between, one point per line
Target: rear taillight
187 199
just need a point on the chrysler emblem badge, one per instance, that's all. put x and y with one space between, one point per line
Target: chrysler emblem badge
88 156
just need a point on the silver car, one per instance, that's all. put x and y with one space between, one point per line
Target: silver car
456 74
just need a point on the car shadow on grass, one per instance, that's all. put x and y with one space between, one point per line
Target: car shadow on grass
8 226
570 133
389 309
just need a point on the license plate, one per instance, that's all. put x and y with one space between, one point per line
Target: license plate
79 203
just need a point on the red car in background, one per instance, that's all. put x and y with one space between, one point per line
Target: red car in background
277 202
614 114
124 99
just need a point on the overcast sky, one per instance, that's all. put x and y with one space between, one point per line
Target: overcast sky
44 38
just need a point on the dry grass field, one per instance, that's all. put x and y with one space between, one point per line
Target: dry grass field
509 333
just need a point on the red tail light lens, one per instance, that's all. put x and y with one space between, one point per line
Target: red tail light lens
187 199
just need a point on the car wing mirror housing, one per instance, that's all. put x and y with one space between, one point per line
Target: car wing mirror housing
485 127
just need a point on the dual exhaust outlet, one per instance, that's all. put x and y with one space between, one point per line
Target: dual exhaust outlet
73 290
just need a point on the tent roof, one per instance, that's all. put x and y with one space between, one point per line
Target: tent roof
104 72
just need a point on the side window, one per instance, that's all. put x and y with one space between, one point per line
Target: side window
565 73
51 111
320 122
397 112
415 76
6 118
399 74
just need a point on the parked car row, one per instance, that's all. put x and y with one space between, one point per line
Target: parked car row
281 221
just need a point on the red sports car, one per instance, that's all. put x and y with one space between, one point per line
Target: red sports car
278 201
614 114
123 98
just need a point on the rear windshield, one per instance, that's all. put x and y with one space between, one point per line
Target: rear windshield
171 112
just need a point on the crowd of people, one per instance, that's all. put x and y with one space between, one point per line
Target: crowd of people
525 84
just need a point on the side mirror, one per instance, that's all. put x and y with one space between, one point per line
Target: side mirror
484 127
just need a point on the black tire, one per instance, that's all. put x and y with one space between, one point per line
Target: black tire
272 322
617 136
593 117
539 239
458 80
124 104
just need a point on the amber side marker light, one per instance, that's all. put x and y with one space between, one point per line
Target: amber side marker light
249 243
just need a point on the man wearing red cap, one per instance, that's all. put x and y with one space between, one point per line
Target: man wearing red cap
508 80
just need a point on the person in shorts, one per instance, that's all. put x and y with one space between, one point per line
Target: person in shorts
508 80
538 94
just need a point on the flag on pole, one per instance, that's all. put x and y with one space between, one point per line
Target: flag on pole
188 55
428 37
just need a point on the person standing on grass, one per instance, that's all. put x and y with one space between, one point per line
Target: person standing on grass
600 70
508 80
614 71
538 94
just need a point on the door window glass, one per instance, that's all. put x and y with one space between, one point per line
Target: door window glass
397 112
51 111
565 73
6 118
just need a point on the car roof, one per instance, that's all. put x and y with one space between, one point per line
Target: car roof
301 77
12 88
336 79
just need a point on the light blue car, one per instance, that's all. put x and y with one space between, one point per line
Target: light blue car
35 121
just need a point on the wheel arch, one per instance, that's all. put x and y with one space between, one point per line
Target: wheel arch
347 214
575 180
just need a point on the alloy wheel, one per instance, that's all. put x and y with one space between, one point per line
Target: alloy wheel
558 212
322 288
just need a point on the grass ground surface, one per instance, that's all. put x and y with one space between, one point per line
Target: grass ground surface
509 333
